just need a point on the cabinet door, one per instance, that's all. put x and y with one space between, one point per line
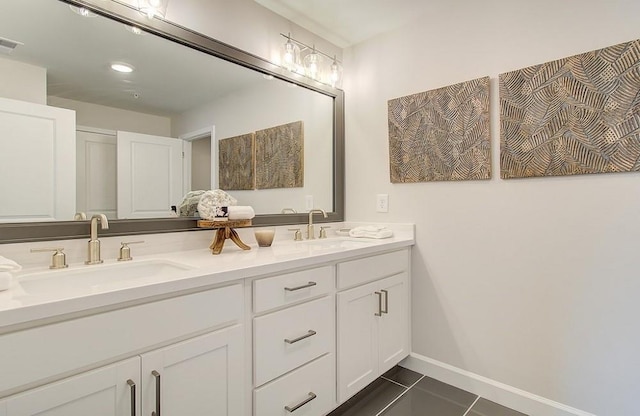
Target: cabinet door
200 376
357 339
101 392
393 325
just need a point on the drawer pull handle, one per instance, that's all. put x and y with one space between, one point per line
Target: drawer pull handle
293 289
386 301
157 377
132 387
302 403
307 335
379 313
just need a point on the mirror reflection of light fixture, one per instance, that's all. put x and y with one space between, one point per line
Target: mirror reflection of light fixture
82 11
153 8
315 66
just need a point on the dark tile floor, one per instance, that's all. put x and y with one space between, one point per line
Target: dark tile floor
402 392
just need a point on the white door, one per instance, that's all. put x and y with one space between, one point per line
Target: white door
357 339
200 376
394 322
149 175
37 162
101 392
96 172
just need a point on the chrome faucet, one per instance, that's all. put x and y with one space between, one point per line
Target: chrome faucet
310 231
93 251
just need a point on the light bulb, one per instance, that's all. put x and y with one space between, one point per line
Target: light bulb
290 55
313 65
335 77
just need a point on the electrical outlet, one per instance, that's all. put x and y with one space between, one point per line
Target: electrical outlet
308 202
382 203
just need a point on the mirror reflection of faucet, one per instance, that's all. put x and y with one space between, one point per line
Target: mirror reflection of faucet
93 247
290 210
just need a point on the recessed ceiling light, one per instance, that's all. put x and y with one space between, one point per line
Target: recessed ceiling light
122 67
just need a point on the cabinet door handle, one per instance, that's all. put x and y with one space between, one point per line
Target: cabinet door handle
379 313
307 335
293 289
155 374
292 409
386 301
132 388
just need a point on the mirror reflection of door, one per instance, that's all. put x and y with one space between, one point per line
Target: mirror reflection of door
96 172
149 175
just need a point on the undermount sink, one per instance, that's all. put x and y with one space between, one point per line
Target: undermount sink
93 279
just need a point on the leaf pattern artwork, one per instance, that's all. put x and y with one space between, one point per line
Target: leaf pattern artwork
235 167
280 156
441 135
572 116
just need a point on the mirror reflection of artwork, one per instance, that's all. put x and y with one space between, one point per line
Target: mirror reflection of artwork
236 162
572 116
280 156
441 135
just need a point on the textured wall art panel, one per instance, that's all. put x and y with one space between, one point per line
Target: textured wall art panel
280 156
572 116
236 162
441 135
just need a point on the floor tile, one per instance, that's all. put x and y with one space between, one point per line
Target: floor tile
484 407
371 400
430 397
402 375
446 391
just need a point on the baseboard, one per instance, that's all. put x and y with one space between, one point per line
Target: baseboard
495 391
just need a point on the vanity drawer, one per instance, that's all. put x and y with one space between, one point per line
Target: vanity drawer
289 338
62 348
314 381
273 292
357 272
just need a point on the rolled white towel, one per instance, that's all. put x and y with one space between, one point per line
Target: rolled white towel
5 280
211 200
241 212
370 231
7 265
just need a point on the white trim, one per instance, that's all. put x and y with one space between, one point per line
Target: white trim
489 389
96 130
471 407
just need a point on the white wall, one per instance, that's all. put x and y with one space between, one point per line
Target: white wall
110 118
269 104
27 82
532 282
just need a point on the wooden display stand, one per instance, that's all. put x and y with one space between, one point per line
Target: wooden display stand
225 230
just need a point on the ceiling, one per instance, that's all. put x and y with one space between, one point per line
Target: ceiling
348 22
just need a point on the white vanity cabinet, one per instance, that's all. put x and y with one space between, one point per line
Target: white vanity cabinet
107 391
172 367
294 343
373 319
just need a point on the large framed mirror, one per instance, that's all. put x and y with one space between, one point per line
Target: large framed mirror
197 93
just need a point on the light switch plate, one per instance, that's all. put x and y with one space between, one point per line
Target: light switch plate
382 203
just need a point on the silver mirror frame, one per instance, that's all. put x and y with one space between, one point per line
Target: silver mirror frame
42 231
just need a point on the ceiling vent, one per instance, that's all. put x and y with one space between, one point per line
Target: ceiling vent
7 45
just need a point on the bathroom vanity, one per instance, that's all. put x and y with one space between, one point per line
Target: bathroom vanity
296 328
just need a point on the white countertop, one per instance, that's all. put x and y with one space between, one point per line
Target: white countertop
202 269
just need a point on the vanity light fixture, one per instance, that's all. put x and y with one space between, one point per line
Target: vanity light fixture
291 55
315 66
122 67
153 8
